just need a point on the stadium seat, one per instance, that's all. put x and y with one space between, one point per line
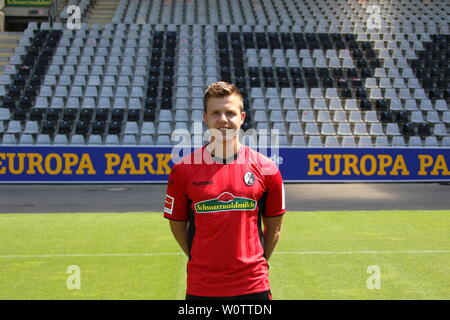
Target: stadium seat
306 69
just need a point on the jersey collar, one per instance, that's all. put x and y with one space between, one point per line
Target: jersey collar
229 159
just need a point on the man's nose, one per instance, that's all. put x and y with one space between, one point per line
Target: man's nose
222 118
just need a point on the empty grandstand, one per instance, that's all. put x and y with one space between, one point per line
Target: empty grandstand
324 73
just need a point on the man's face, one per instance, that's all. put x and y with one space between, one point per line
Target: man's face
224 114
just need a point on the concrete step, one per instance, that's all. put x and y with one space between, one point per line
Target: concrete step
103 12
8 42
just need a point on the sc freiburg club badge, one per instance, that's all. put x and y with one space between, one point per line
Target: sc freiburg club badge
249 178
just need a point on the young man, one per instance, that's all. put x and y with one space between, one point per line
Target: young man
217 198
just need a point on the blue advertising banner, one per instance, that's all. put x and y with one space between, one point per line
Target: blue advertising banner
73 164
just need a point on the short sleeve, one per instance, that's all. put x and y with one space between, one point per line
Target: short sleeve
275 200
175 202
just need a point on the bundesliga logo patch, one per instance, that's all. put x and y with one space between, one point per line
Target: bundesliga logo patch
225 202
168 204
249 178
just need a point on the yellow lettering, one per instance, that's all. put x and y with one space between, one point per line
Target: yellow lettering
2 169
313 165
440 164
425 162
145 162
163 159
399 164
86 164
127 163
48 166
70 160
112 160
363 165
337 164
11 162
385 161
350 162
35 162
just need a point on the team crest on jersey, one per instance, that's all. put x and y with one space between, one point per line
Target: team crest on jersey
226 201
249 178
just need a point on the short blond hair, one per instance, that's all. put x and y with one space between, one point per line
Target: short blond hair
221 89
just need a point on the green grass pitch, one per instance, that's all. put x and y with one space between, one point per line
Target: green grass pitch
321 255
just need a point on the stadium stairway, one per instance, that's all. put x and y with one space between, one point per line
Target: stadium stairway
8 42
103 12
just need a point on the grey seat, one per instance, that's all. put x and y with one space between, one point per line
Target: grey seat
365 141
381 141
398 141
417 117
433 117
112 139
163 140
95 139
355 116
43 139
446 117
148 128
26 139
376 129
392 129
360 129
295 129
77 139
131 127
276 116
60 139
415 141
344 129
4 114
315 141
445 142
323 116
440 130
146 140
129 139
165 116
31 127
14 126
298 141
164 128
331 141
311 128
327 129
9 139
308 116
431 141
348 141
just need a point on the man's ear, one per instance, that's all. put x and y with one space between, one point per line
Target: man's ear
243 116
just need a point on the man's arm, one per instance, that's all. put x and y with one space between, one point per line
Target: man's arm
272 231
179 231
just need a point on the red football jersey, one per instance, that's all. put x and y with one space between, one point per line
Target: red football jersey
224 204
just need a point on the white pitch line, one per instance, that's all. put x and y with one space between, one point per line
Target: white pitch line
361 252
93 255
157 254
